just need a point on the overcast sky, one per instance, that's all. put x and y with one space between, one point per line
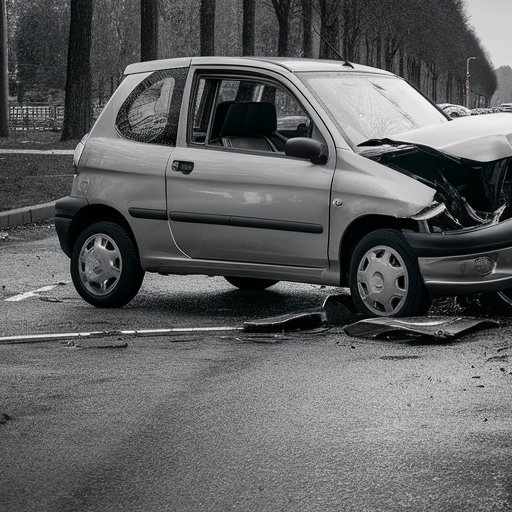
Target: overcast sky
492 20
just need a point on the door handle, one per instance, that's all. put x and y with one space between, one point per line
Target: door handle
182 166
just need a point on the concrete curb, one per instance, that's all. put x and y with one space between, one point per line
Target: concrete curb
36 151
27 214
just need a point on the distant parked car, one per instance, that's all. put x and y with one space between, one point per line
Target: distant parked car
454 110
507 107
198 166
486 110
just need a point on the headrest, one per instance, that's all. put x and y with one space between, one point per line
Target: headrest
250 119
219 118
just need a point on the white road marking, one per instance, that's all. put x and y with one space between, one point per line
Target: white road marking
33 338
33 293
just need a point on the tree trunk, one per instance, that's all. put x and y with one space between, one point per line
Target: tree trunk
449 88
248 27
207 28
416 73
282 10
4 73
307 20
77 104
389 53
282 46
369 52
148 30
101 81
378 53
401 60
434 78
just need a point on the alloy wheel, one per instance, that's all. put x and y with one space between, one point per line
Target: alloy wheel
383 280
100 264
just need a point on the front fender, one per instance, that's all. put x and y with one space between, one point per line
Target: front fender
367 188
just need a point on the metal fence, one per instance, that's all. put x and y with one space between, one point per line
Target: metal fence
36 117
40 117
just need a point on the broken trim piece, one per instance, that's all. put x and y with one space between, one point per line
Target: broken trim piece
286 323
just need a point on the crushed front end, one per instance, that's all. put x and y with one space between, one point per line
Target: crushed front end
464 238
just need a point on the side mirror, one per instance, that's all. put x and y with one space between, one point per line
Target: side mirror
308 149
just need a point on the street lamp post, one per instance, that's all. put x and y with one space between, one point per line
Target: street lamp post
467 80
4 72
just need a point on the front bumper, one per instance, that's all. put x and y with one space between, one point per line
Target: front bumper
459 274
466 261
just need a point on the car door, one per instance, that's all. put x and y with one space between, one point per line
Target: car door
232 194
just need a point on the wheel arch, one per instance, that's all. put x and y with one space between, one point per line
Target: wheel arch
96 213
359 228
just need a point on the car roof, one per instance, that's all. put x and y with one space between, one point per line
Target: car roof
289 64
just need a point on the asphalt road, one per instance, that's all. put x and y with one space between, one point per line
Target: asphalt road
309 421
31 259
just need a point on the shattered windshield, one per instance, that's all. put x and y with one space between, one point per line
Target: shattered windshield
367 106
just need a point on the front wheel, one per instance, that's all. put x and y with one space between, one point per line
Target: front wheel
105 265
385 279
250 283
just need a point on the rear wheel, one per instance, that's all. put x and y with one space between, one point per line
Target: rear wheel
385 279
250 283
105 265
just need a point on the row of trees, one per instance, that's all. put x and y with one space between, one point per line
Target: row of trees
426 41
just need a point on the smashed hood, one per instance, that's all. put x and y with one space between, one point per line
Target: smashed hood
478 138
468 161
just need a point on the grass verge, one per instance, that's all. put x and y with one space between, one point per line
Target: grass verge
36 140
27 180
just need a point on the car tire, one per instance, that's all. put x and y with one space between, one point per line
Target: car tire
250 283
384 277
105 266
498 302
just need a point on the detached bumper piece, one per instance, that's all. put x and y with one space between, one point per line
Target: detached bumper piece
286 323
466 261
442 328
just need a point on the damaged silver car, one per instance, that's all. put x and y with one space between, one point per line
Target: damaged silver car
260 170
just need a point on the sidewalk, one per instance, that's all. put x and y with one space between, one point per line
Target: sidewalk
33 213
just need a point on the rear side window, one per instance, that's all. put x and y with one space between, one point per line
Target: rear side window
151 112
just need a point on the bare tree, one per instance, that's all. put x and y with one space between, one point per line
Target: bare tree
283 9
248 27
307 21
352 22
77 105
148 30
207 27
4 73
329 27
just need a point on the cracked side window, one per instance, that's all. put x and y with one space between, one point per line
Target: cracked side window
151 112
